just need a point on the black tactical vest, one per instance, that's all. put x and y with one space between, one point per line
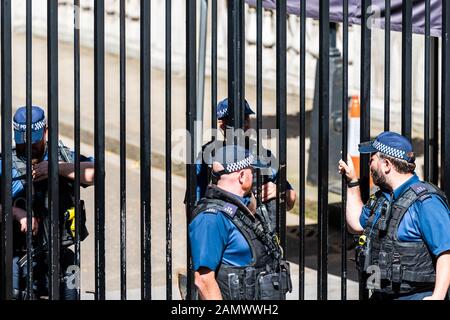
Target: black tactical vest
405 267
249 282
40 204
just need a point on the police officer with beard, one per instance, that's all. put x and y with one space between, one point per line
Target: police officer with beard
404 227
234 254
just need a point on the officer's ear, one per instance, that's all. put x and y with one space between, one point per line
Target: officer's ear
387 165
242 177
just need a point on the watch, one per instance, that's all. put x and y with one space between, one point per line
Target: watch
353 184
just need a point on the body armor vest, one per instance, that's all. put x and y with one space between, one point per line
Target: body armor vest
40 205
267 277
404 267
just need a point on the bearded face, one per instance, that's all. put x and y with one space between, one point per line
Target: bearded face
378 176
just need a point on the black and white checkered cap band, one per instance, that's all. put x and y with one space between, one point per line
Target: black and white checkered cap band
222 113
240 165
34 126
390 151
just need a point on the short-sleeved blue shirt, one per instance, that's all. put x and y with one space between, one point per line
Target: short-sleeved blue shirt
17 185
427 220
215 239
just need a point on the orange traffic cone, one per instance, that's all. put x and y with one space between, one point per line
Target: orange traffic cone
354 126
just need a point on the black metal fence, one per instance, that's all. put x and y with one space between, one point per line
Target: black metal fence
436 137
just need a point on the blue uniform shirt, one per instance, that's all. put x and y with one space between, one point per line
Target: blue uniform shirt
18 187
427 220
215 239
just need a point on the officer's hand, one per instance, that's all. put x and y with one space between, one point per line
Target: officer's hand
24 226
40 171
348 169
269 191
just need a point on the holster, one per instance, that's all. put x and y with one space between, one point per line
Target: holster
274 285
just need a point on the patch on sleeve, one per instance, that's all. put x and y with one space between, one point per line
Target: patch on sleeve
419 188
230 209
211 210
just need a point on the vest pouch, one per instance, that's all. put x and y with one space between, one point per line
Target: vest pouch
363 257
234 286
384 261
68 233
396 273
250 283
367 255
360 257
274 285
383 258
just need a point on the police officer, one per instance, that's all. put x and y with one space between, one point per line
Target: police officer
269 187
234 255
405 226
40 204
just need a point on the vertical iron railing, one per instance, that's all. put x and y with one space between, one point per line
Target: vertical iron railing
281 92
99 144
427 87
53 188
169 149
324 120
6 246
344 149
77 137
29 187
445 106
191 104
302 153
235 58
241 45
434 111
214 75
387 65
366 45
146 269
123 151
259 92
407 69
214 22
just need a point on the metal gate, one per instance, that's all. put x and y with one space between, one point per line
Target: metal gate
436 136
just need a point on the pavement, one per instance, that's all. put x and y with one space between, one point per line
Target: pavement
158 203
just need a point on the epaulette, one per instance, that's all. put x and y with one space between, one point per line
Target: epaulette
230 209
421 191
